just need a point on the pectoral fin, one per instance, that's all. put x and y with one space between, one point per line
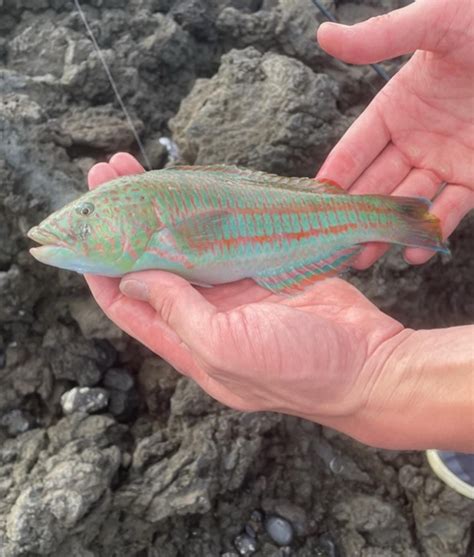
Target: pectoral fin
292 280
200 228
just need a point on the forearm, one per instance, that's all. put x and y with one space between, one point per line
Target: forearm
421 392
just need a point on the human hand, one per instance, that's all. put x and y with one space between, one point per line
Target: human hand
419 130
314 355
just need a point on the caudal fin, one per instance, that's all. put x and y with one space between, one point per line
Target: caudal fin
417 227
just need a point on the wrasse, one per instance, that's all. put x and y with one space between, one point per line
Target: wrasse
218 224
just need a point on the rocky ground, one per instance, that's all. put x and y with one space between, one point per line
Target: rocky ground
104 449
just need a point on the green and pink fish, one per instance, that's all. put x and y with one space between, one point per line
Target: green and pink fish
219 224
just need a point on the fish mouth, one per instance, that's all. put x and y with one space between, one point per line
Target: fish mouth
52 250
44 237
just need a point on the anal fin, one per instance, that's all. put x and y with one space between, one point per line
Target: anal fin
295 279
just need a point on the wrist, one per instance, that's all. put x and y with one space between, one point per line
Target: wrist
419 392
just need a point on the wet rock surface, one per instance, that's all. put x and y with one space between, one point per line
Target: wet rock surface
159 468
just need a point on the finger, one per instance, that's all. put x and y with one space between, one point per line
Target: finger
360 145
386 36
138 319
384 174
99 174
420 183
451 206
369 255
187 314
179 305
125 164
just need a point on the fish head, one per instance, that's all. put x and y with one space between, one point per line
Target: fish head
98 233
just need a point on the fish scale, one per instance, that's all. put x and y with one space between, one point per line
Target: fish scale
222 223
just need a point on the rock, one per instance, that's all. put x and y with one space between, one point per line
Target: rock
289 131
379 520
44 42
279 530
410 478
254 525
327 544
17 303
84 399
64 484
152 449
245 544
93 322
29 143
340 464
85 164
156 382
294 514
439 532
196 17
84 362
119 380
16 422
189 399
244 29
182 483
169 44
100 127
123 396
296 32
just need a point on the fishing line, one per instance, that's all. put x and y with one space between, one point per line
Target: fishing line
329 15
113 84
325 11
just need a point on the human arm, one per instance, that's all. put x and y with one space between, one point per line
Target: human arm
429 401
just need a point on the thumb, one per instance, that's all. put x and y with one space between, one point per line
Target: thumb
179 305
386 36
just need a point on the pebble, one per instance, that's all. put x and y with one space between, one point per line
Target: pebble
123 396
245 544
249 530
294 514
84 399
16 422
119 379
327 544
279 529
255 524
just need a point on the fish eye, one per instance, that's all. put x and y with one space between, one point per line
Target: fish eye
85 209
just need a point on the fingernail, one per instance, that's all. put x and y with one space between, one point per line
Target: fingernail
135 289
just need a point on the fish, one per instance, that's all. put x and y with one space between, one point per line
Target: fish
219 224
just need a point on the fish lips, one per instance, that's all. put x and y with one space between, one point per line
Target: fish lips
52 250
57 253
44 237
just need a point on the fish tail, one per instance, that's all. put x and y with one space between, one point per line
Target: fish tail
416 226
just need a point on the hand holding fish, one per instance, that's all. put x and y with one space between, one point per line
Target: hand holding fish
328 355
419 130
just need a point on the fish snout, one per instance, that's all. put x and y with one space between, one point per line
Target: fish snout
44 236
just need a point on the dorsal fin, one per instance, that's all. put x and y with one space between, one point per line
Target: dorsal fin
260 178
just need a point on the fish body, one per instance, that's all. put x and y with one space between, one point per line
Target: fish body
219 224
